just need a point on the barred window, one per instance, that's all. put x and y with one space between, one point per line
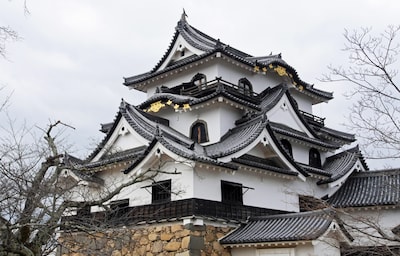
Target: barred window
231 192
161 191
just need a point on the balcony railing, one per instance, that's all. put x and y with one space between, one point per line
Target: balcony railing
169 211
313 118
211 86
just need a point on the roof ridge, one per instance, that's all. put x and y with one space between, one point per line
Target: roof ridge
314 213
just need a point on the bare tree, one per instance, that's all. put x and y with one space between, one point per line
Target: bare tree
372 70
6 34
370 230
33 195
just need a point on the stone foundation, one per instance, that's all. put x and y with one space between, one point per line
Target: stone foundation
158 240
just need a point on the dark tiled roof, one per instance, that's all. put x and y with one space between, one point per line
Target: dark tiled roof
340 164
237 138
271 96
371 188
287 131
261 163
210 46
279 228
331 134
314 170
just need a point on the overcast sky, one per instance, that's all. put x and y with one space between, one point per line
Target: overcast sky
73 55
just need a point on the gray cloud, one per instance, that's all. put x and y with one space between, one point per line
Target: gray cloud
73 55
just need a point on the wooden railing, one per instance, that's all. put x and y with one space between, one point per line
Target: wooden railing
210 86
313 118
169 211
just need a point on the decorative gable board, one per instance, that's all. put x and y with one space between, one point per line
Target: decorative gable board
123 137
284 113
179 51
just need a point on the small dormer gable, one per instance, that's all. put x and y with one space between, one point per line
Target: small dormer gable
180 50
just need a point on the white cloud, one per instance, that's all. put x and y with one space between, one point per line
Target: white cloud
74 53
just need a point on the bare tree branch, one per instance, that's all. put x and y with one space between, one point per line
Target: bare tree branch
372 70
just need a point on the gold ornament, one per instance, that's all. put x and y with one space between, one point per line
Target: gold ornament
156 106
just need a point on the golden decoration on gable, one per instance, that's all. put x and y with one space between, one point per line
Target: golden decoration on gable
156 106
281 71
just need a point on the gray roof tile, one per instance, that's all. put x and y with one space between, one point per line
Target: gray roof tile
210 46
340 164
237 138
371 188
261 163
287 131
284 227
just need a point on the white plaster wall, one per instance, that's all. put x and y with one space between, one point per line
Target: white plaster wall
385 219
184 75
301 153
269 192
182 183
304 102
232 73
326 247
219 118
123 138
283 113
300 250
212 68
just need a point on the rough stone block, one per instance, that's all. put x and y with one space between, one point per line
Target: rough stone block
166 236
172 246
185 242
153 237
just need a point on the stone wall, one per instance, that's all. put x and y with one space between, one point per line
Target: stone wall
157 240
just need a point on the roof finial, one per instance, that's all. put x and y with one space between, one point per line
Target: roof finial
184 15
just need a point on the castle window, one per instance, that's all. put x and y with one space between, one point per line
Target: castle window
198 132
231 192
286 145
314 158
199 80
161 191
119 208
245 87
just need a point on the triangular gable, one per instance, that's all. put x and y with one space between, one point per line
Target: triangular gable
124 133
179 50
187 41
122 137
285 112
247 137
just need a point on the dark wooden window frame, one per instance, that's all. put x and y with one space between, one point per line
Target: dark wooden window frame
200 80
160 191
286 145
314 158
231 192
199 132
245 87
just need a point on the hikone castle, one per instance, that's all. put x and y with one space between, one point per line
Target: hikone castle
240 165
